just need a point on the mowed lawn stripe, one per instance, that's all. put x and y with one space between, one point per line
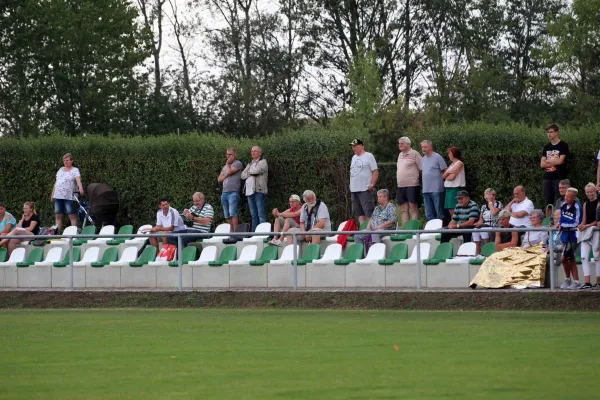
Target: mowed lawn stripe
257 354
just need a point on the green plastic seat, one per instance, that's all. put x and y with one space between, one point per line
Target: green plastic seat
547 221
149 254
36 255
190 253
399 252
268 254
111 254
229 253
354 252
442 253
438 237
409 225
362 227
487 250
66 261
3 254
88 230
124 230
310 254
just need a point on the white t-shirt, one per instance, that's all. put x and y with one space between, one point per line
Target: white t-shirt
66 183
361 172
598 155
171 219
525 205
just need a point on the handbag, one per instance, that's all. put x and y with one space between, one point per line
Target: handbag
167 253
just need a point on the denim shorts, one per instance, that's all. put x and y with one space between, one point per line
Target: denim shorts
230 201
62 206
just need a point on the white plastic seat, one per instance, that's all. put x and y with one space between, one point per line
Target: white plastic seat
129 255
106 230
69 231
264 227
222 228
425 247
332 252
248 254
432 225
142 230
18 255
466 252
333 239
91 255
54 255
287 255
208 254
376 253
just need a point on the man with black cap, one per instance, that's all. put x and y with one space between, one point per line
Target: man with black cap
363 177
466 213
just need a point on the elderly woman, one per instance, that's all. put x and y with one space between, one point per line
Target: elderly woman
384 217
532 238
488 218
28 225
68 180
590 238
505 239
7 221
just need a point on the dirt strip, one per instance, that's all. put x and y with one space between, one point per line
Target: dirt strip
307 299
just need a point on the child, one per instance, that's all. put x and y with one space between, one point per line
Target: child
570 218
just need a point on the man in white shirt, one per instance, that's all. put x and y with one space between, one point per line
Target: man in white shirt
520 208
167 220
363 177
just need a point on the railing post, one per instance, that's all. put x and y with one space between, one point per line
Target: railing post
418 261
295 259
551 254
179 262
71 271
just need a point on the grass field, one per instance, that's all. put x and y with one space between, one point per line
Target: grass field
254 354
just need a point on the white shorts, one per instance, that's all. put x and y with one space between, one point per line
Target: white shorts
479 236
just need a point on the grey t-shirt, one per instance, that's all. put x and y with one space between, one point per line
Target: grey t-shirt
361 172
323 212
233 182
432 168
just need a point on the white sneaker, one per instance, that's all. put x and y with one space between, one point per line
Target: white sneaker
566 284
575 285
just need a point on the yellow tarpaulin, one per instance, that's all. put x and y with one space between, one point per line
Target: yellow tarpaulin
515 267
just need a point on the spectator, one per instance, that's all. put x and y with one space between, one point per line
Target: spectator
590 238
520 208
7 221
465 214
562 190
531 239
167 220
506 239
231 178
570 217
488 218
287 219
363 177
433 167
68 180
314 217
598 173
408 174
256 176
384 217
554 162
454 178
28 225
200 217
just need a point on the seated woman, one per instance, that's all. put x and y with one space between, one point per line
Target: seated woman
28 225
532 238
7 221
488 218
505 239
384 218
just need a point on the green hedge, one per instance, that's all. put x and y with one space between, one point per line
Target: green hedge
143 169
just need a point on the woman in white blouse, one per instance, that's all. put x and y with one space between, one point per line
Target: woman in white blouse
454 178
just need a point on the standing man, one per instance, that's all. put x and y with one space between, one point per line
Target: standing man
554 162
167 220
231 178
200 216
363 177
433 166
256 175
408 174
520 208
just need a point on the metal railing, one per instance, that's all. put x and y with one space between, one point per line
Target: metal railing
241 235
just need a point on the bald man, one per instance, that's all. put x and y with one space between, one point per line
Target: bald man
520 208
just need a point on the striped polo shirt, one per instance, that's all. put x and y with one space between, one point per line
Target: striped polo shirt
205 211
462 214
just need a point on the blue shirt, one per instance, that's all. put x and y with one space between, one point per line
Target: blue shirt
8 219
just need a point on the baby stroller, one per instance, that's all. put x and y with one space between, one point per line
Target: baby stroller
103 204
83 211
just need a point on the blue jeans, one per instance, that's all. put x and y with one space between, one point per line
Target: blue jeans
256 202
229 201
434 205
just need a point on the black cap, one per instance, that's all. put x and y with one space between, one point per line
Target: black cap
462 193
356 142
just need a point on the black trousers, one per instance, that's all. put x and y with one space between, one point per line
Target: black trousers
447 236
551 193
